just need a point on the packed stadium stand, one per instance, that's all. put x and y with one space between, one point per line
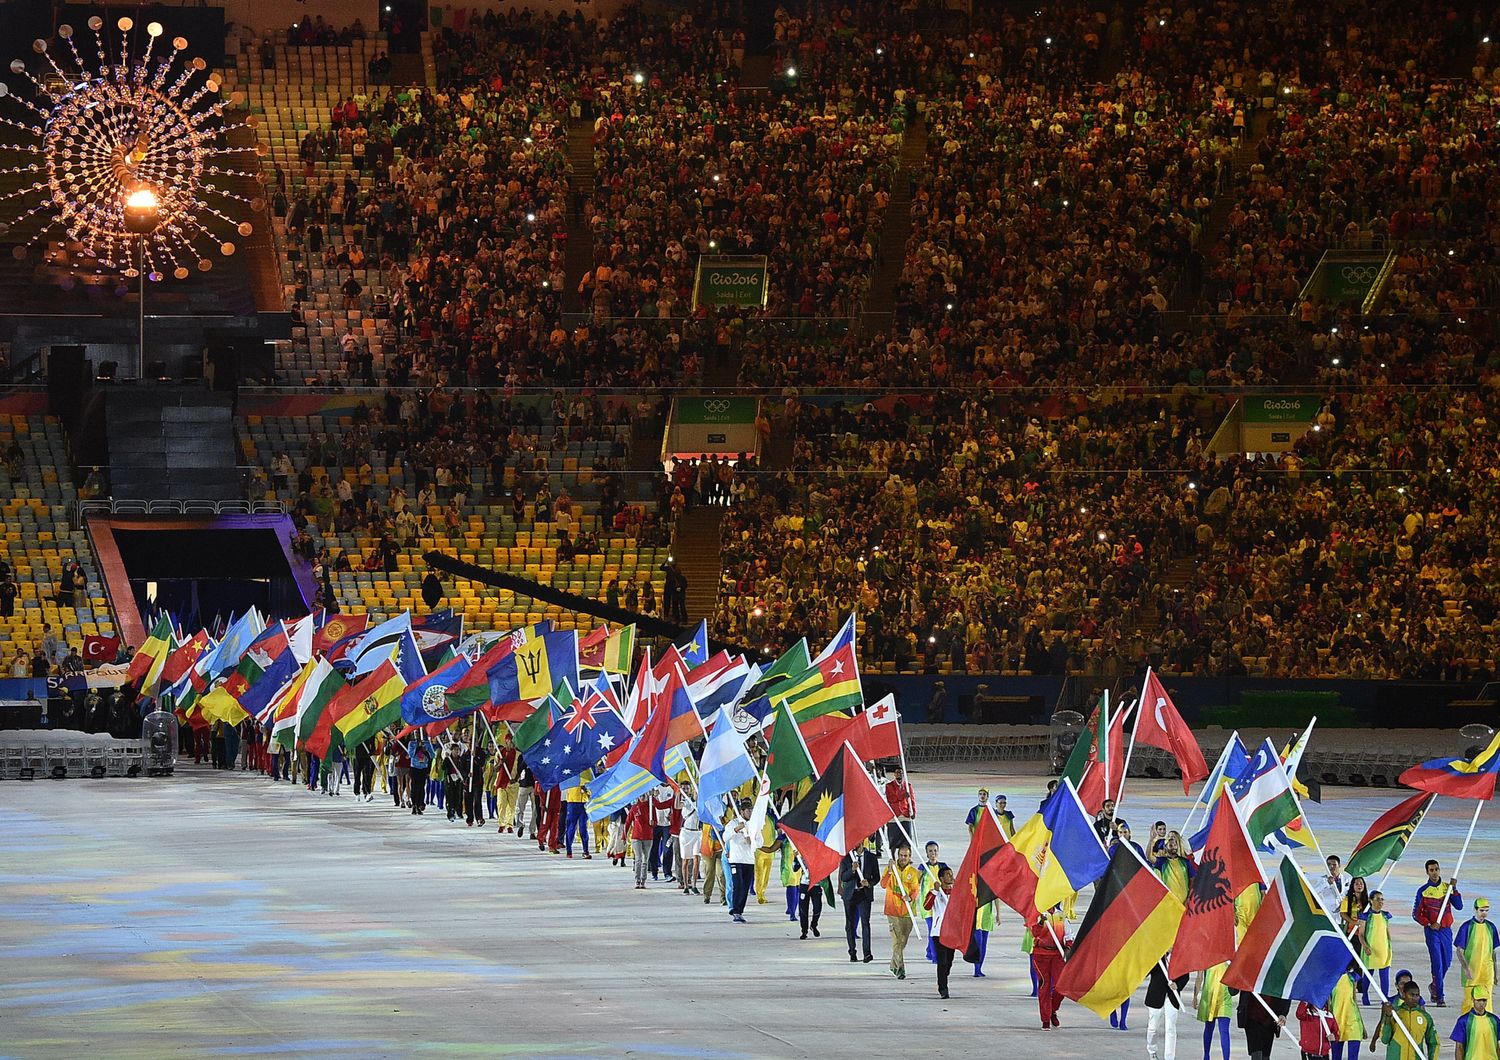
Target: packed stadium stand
36 498
1022 268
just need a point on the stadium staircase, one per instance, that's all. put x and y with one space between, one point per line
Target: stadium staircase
1186 297
695 549
39 538
880 303
172 444
263 266
410 68
580 254
1178 577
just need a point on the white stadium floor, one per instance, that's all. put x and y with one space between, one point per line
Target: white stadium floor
217 914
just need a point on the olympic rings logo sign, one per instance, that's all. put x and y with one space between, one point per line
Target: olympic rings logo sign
715 405
1358 273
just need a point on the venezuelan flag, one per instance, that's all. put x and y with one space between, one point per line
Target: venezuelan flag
1459 778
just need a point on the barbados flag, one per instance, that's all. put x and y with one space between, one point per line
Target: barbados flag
534 668
1459 778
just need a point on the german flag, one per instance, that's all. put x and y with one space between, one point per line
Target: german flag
1130 926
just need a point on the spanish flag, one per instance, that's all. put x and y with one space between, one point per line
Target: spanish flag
1130 925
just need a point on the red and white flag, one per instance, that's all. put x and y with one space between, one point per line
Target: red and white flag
1157 724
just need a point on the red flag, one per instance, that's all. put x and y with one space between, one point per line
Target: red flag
970 890
181 660
1226 867
873 733
1091 791
97 650
1012 875
840 811
336 629
1157 724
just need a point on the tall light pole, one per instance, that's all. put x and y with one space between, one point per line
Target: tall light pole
141 213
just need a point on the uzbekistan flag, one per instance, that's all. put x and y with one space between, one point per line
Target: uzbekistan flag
1387 838
1130 926
1291 950
1459 778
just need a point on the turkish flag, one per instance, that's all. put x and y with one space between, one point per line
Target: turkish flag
97 650
1157 724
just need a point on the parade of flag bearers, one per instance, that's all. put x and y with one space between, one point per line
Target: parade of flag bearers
771 789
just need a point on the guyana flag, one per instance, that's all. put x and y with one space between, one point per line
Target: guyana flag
831 683
374 703
146 665
1387 838
1130 925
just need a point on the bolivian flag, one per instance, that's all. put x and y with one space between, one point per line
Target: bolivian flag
1130 925
370 705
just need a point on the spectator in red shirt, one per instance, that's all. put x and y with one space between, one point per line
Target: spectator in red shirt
638 826
904 803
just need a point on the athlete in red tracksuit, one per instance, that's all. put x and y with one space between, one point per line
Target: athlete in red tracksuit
549 831
1049 939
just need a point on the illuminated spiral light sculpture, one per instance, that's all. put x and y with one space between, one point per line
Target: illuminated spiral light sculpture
94 132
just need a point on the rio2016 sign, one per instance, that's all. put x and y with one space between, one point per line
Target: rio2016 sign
730 282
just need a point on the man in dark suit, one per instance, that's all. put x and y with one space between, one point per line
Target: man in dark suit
858 872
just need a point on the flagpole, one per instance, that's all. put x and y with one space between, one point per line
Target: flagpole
1302 814
1130 751
912 845
1214 775
1478 805
1358 960
1397 860
1103 743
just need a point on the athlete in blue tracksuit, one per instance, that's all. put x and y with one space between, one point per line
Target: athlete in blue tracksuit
1438 930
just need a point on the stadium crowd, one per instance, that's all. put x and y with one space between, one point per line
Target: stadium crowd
1105 201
